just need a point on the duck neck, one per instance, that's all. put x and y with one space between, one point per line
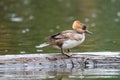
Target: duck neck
79 31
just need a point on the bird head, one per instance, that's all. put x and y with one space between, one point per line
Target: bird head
80 27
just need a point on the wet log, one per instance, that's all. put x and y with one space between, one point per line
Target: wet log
44 66
78 60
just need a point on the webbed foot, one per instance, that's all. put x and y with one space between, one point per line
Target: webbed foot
67 54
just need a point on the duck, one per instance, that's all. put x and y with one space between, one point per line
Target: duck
65 40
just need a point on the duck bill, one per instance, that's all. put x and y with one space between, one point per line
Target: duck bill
88 32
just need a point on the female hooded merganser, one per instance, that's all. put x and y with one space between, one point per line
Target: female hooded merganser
68 39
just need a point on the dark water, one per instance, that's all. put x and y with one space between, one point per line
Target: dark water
25 24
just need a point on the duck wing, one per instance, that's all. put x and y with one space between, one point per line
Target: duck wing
68 34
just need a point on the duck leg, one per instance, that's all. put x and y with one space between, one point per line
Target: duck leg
68 50
64 53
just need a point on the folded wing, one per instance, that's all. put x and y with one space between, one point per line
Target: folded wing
68 34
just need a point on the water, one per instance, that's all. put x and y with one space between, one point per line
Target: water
25 24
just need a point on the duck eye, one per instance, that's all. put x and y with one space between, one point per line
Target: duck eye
84 27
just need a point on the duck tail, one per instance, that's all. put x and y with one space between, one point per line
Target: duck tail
42 45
